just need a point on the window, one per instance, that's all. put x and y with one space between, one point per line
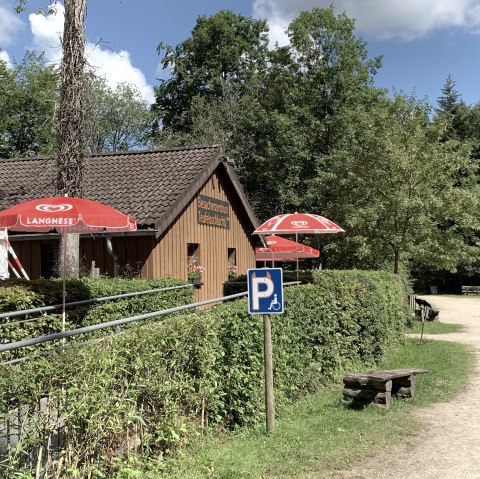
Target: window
194 266
232 266
49 259
193 253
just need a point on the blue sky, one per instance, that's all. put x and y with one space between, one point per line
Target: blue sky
421 41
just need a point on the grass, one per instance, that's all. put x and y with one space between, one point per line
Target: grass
435 327
319 433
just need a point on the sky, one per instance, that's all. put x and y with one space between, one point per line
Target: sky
422 42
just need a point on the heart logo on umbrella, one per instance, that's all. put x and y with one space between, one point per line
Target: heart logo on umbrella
299 223
53 208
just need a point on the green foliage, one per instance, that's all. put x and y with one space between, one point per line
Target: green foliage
224 47
28 95
451 98
135 399
403 193
117 119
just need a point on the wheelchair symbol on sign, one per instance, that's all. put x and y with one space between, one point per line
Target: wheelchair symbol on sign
275 305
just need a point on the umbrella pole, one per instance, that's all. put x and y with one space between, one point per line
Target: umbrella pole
64 283
296 240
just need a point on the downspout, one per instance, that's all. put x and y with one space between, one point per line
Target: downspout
116 267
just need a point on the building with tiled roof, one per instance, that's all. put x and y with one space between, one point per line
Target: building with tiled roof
188 203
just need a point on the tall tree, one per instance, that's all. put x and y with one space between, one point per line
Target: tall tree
71 122
71 112
28 98
279 114
451 98
224 47
312 88
403 192
117 119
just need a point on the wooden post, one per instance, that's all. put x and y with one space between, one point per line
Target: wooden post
422 314
268 365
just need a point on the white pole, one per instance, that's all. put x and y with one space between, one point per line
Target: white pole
3 255
64 283
296 240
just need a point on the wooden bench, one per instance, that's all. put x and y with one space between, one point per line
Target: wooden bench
470 289
379 386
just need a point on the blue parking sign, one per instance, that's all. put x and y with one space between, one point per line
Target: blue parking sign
265 290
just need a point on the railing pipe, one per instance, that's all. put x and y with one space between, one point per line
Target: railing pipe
117 322
90 301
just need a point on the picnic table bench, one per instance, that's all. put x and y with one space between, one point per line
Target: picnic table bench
470 289
379 386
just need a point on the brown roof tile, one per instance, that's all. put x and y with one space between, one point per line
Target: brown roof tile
151 186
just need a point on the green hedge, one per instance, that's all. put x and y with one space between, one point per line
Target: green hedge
18 295
239 284
142 395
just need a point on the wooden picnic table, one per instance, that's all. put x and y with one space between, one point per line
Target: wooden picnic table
379 386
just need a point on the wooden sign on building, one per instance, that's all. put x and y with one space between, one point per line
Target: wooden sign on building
213 212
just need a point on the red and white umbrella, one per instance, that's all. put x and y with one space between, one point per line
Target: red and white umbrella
65 214
298 223
282 249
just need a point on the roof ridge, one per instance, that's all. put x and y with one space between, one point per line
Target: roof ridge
29 158
120 153
157 150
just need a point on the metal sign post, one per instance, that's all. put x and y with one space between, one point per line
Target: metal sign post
265 296
268 372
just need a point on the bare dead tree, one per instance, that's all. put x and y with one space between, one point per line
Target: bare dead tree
71 120
71 112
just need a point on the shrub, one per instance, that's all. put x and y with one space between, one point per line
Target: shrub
145 393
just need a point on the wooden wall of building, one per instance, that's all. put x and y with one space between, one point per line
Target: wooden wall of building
170 258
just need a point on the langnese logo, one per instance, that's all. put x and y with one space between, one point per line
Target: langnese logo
46 208
298 224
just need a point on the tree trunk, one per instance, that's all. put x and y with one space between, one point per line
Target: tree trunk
72 263
71 117
396 266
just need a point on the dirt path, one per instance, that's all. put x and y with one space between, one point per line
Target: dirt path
449 445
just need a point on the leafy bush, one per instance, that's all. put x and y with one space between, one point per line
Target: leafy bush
142 395
239 284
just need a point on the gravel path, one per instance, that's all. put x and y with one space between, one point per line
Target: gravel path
449 444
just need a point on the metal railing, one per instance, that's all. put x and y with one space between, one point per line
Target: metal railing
118 322
43 309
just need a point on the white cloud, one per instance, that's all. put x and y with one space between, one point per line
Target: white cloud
404 19
10 25
6 58
115 67
47 33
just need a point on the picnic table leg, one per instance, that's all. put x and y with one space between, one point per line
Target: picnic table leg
404 387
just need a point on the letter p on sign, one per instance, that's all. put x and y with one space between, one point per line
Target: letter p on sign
259 292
